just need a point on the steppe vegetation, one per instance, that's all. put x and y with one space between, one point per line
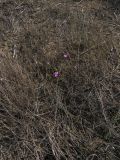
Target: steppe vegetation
59 80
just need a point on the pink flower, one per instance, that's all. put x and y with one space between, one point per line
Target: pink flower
66 55
56 74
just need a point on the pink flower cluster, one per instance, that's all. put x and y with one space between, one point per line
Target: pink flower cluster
57 73
66 55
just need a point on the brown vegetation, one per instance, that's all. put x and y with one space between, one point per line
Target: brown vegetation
77 115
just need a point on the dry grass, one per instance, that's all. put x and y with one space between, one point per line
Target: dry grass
75 116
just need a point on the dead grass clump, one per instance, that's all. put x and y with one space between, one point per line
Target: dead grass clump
75 116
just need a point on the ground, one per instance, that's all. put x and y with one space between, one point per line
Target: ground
59 80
